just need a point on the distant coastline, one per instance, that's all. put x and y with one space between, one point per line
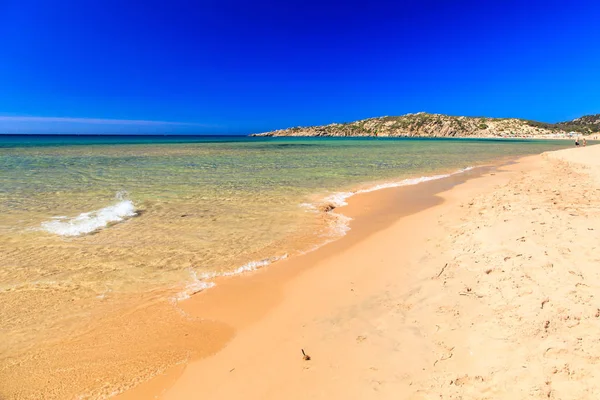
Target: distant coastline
440 125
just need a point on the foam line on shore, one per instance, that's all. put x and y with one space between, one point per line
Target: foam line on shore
339 227
203 282
339 199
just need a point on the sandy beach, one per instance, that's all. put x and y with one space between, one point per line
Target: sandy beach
299 200
91 315
481 287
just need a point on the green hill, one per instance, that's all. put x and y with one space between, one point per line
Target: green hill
439 125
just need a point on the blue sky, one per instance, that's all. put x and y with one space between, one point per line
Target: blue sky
249 66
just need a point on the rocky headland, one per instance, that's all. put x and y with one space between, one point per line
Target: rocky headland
439 125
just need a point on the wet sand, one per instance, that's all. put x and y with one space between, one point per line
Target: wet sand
447 288
482 289
132 338
92 315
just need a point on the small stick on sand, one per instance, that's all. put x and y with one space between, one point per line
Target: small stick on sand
442 271
305 357
544 302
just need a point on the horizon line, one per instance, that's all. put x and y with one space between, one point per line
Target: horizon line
98 121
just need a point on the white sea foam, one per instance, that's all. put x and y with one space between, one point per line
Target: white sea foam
339 199
339 226
254 265
196 285
91 221
204 282
413 181
250 266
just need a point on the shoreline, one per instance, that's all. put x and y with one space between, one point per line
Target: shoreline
286 308
326 207
369 211
129 318
216 320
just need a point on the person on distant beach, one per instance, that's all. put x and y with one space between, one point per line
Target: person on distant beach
584 142
576 142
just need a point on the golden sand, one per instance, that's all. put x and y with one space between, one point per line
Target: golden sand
488 292
477 286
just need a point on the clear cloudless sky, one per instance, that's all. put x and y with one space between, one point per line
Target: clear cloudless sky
229 66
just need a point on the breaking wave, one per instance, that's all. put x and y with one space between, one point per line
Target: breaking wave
92 221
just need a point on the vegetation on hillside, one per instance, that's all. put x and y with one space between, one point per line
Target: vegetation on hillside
439 125
586 124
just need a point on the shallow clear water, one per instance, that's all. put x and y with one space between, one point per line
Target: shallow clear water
202 206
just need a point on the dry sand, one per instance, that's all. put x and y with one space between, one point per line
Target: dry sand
485 290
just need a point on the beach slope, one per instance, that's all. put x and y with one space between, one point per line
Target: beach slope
491 292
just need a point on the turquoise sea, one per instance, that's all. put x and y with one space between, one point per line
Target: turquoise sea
101 218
